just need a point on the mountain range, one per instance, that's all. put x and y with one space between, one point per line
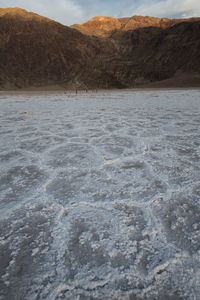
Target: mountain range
104 52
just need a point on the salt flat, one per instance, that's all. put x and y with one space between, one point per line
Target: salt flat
100 195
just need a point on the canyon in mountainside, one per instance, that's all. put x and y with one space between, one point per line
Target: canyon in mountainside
104 52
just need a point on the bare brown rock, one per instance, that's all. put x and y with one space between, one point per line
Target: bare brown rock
108 26
103 53
36 51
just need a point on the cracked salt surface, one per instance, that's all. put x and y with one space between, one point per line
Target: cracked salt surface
100 196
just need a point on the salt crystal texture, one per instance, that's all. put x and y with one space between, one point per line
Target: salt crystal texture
100 195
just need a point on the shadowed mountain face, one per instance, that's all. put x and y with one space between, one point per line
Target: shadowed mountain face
103 53
36 51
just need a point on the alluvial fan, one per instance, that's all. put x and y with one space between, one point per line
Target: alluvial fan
100 195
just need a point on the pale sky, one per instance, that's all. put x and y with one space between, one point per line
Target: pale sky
69 12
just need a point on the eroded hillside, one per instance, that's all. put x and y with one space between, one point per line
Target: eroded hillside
102 53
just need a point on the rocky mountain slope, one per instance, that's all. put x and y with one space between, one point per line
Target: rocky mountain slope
36 51
103 53
109 26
